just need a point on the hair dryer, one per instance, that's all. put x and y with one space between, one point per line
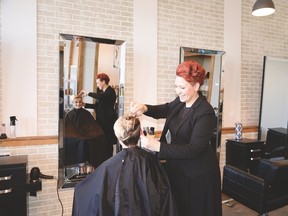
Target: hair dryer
35 174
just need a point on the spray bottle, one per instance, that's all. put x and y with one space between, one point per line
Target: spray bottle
13 126
3 132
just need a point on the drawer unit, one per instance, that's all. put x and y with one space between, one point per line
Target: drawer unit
13 195
244 154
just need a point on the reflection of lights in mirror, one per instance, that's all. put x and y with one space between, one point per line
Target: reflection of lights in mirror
211 60
81 58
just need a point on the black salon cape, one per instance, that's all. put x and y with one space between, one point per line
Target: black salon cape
131 183
80 123
84 139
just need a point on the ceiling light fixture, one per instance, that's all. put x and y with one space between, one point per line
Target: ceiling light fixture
263 8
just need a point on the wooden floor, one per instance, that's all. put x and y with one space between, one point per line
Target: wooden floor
237 209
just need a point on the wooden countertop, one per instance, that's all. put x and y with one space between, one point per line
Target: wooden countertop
26 141
46 140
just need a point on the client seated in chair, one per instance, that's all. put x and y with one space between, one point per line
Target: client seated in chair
132 182
263 192
84 139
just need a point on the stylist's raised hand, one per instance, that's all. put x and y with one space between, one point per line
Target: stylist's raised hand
137 109
150 143
84 93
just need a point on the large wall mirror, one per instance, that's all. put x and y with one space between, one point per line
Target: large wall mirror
81 58
212 89
273 120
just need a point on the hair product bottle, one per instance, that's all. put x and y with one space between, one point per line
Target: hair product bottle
13 127
3 132
238 131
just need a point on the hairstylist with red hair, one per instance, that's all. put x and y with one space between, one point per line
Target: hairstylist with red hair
191 163
105 109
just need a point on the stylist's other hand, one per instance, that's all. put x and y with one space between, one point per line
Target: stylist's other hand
137 109
150 143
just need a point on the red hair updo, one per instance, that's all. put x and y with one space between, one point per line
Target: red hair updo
191 71
103 76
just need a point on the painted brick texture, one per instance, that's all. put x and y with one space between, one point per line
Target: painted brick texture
186 23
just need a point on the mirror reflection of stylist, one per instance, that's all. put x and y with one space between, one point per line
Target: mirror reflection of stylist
192 165
105 108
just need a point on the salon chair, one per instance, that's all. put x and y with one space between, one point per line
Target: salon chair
264 191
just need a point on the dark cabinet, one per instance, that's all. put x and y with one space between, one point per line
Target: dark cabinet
13 198
275 142
244 154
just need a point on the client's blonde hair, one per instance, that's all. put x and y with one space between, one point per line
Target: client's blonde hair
127 130
78 96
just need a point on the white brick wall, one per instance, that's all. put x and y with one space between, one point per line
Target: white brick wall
188 24
260 36
104 19
191 23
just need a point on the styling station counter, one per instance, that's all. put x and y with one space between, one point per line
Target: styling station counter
13 198
244 154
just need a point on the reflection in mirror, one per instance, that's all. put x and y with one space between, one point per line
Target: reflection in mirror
211 60
273 119
81 138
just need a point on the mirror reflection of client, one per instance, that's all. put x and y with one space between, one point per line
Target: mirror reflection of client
104 108
84 139
132 182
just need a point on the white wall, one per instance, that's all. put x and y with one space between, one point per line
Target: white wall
19 65
145 55
232 63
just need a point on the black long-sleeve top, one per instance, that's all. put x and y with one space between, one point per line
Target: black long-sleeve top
106 114
191 130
